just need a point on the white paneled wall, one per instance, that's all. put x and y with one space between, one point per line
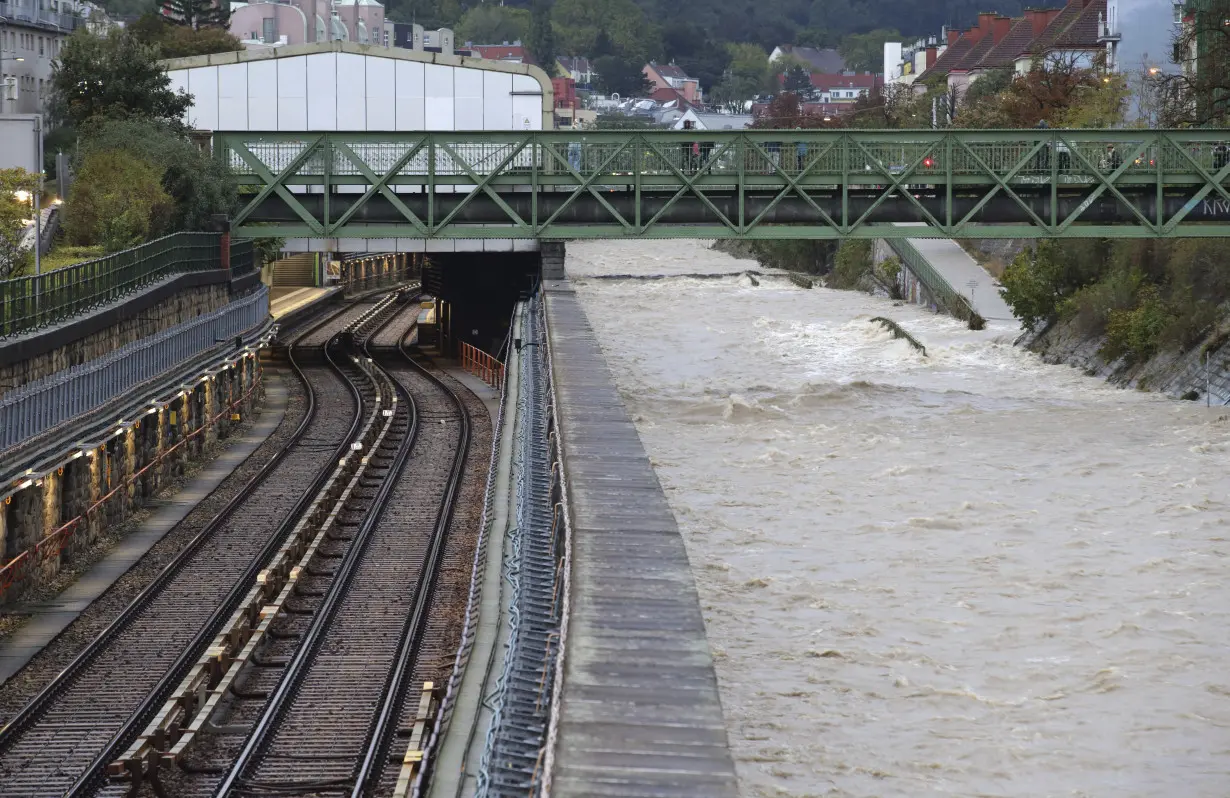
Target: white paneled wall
348 91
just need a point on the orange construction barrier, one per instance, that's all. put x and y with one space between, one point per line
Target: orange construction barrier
482 365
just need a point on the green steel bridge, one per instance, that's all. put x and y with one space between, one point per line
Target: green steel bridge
746 184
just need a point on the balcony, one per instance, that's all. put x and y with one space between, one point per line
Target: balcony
29 14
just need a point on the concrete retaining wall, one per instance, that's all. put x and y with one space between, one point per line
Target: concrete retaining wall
52 517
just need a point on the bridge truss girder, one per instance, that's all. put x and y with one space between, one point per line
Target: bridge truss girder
746 184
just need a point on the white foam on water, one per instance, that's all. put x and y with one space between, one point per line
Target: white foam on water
969 573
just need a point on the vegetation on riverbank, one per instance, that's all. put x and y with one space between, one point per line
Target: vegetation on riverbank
1139 296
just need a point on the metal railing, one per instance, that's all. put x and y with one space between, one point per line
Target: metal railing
243 257
482 365
941 291
752 184
44 404
34 302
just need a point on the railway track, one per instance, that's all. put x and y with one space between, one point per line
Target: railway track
61 741
329 727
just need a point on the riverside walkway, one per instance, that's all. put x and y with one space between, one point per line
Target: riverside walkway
965 276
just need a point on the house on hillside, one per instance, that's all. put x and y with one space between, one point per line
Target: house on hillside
515 53
579 68
703 121
903 63
825 60
1085 32
413 36
846 87
291 22
669 76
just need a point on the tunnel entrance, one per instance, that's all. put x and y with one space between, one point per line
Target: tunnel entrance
474 294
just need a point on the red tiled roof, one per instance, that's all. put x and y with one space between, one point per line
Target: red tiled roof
826 82
502 52
973 57
950 58
667 94
1083 33
1016 42
1046 40
669 71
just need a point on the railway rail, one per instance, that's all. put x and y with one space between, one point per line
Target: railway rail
60 742
331 725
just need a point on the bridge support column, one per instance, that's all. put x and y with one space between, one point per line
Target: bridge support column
553 253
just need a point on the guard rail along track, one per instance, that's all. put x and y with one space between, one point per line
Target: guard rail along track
62 740
332 724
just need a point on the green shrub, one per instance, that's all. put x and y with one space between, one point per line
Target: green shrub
1138 333
117 201
1092 305
852 261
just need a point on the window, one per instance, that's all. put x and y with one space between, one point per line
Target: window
40 45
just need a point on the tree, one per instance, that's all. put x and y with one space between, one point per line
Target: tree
492 24
179 41
632 36
1062 91
1198 93
197 14
117 201
864 52
14 213
785 112
197 186
619 76
112 75
542 36
796 80
745 77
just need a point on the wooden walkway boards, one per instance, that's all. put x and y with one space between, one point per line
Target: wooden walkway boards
640 713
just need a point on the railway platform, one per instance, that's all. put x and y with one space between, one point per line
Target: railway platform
283 305
639 713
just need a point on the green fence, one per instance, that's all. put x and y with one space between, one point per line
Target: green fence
36 302
943 293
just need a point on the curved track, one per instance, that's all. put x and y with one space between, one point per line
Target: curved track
329 728
60 741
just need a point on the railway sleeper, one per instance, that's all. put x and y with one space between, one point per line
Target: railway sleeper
191 706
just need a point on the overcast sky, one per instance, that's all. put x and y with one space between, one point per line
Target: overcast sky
1147 27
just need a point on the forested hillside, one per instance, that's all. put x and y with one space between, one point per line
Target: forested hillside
764 22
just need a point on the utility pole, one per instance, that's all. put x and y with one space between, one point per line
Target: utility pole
38 189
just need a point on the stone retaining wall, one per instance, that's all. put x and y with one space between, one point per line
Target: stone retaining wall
184 306
57 515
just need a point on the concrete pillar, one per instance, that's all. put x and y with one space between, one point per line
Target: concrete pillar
552 254
51 508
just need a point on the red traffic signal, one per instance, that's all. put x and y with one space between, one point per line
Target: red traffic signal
928 162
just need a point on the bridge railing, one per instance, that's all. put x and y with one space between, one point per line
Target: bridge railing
444 157
38 301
